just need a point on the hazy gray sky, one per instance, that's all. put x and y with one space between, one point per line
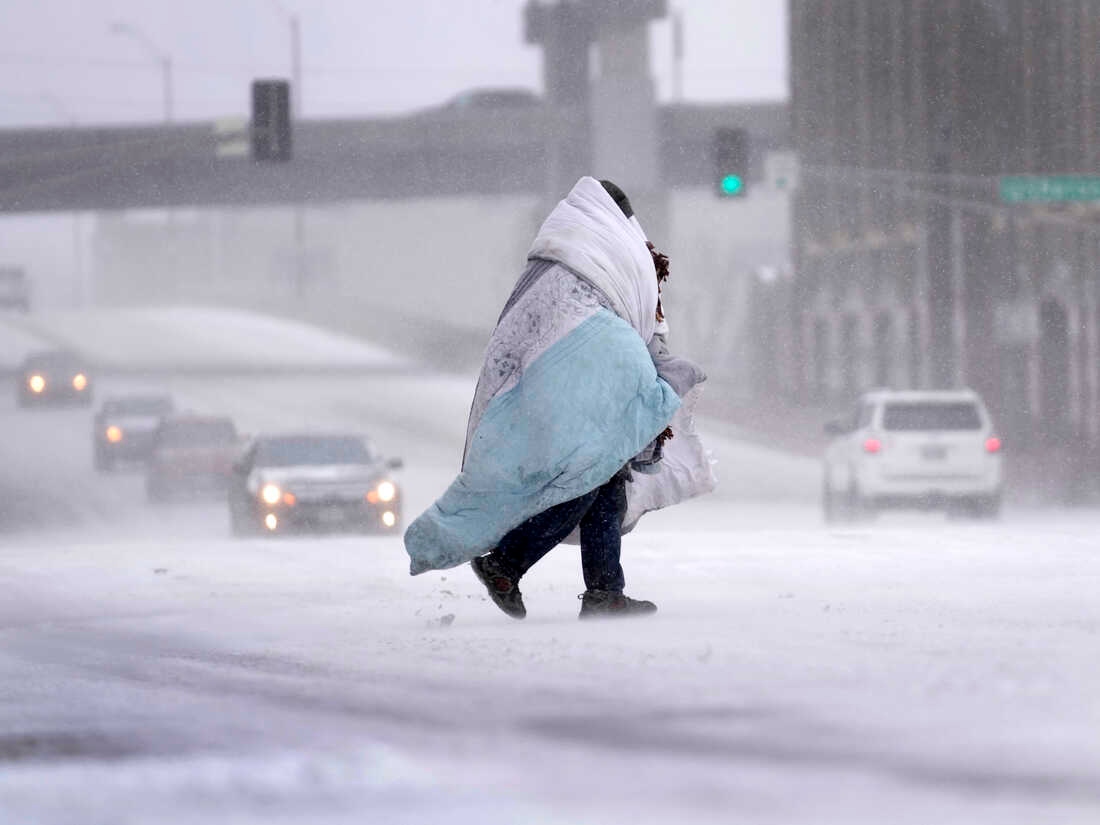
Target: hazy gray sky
59 61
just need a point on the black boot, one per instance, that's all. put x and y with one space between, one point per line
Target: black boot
503 588
596 604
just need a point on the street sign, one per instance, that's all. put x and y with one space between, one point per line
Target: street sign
1049 188
231 137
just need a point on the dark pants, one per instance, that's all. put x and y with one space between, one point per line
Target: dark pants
600 516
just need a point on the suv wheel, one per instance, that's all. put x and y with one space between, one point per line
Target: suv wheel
858 507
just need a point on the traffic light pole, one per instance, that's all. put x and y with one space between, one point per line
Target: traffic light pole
295 115
296 65
300 269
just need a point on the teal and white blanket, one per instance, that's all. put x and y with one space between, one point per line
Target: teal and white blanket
568 392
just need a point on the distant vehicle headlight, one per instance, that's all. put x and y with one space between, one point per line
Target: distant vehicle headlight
114 434
37 383
271 493
80 381
270 522
386 491
389 519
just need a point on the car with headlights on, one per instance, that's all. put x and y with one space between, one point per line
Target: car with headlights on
315 483
191 454
913 449
124 426
54 377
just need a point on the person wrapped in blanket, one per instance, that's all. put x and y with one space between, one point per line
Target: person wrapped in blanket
582 420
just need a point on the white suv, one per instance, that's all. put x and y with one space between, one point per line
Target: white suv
913 449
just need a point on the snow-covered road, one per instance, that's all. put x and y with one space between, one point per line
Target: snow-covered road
152 669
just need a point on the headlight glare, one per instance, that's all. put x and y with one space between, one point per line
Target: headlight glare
386 491
271 493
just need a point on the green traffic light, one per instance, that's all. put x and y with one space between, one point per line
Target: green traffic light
732 185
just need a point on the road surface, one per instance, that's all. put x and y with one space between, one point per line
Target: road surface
153 669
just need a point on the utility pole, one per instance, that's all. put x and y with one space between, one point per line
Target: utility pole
677 56
296 65
80 293
166 80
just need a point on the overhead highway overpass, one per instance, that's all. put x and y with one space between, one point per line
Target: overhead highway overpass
436 152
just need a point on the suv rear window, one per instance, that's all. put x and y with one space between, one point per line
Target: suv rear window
931 415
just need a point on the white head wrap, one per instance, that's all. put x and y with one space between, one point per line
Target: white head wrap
588 232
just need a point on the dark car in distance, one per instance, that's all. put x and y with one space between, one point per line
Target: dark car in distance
54 377
191 454
313 482
124 427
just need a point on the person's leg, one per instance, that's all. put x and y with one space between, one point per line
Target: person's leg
601 537
501 570
601 545
524 545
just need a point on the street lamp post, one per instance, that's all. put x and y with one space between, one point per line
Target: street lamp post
677 56
295 58
161 57
300 273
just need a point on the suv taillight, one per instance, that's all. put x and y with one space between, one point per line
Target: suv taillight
993 444
872 445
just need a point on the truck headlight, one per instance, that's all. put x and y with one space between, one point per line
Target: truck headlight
271 493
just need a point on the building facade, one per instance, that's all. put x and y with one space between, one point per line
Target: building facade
911 270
